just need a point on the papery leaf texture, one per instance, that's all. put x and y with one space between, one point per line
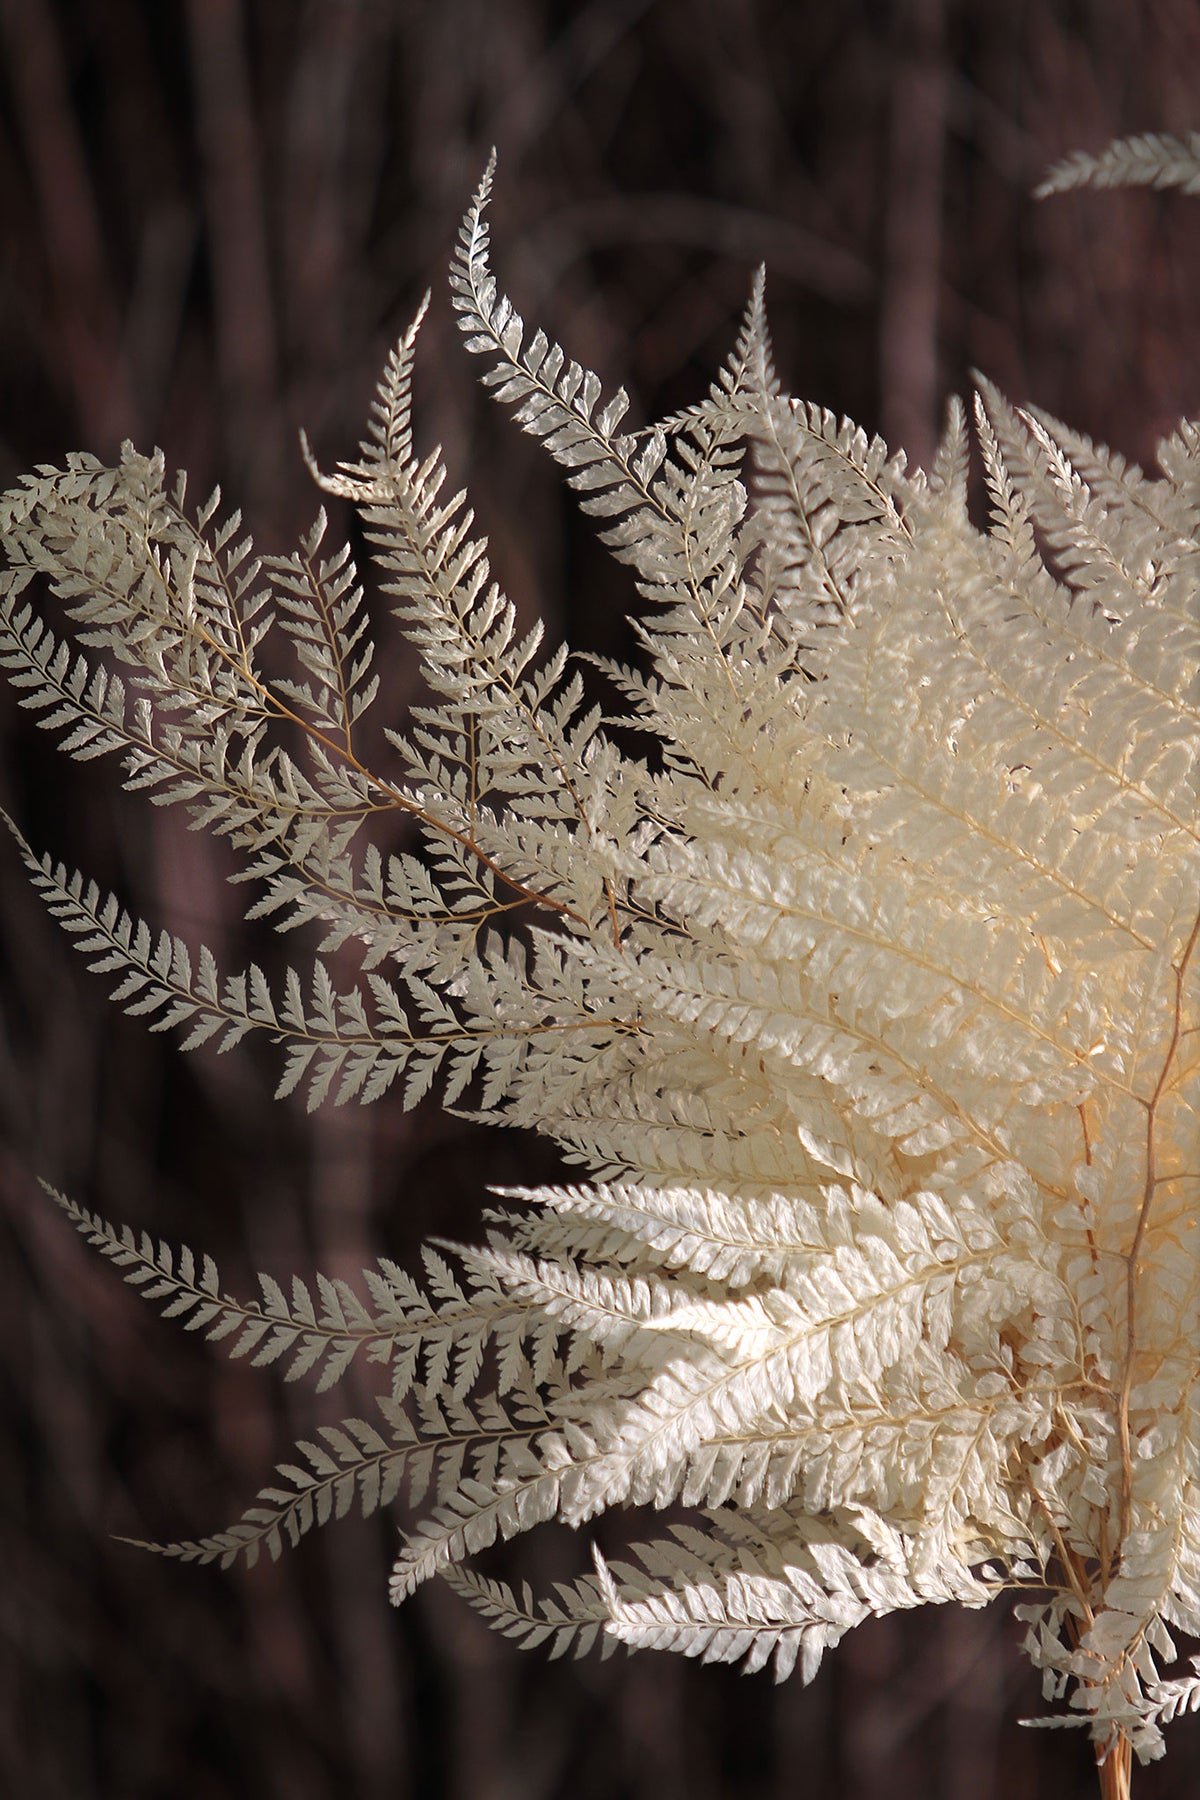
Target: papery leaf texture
867 1006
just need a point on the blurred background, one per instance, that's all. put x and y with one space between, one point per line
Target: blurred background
215 215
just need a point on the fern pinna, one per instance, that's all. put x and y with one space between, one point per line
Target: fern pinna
869 1010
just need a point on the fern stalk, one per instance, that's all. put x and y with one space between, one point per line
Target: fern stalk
1116 1770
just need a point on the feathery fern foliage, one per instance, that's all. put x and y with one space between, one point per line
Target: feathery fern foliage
871 1012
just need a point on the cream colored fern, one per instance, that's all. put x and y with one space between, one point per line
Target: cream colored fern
872 1017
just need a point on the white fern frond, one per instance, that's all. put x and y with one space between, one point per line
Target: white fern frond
867 1005
1151 159
571 1622
353 1465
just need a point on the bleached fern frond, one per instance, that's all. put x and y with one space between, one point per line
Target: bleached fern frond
479 1453
672 498
557 399
1177 1696
333 1047
572 1621
869 1011
1151 159
509 730
494 1471
726 1597
353 1464
437 1335
824 494
185 609
701 1231
327 623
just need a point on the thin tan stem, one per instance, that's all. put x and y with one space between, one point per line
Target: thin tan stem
1115 1769
395 798
1135 1248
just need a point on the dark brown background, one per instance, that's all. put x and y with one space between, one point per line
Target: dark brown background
214 216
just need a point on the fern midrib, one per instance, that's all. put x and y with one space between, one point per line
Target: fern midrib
274 706
171 986
334 645
158 752
1180 970
767 412
500 677
402 803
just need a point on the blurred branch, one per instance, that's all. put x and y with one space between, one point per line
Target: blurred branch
82 331
910 378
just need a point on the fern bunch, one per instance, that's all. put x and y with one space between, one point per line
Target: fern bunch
870 1011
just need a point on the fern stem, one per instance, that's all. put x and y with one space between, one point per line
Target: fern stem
394 796
1114 1765
1131 1293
